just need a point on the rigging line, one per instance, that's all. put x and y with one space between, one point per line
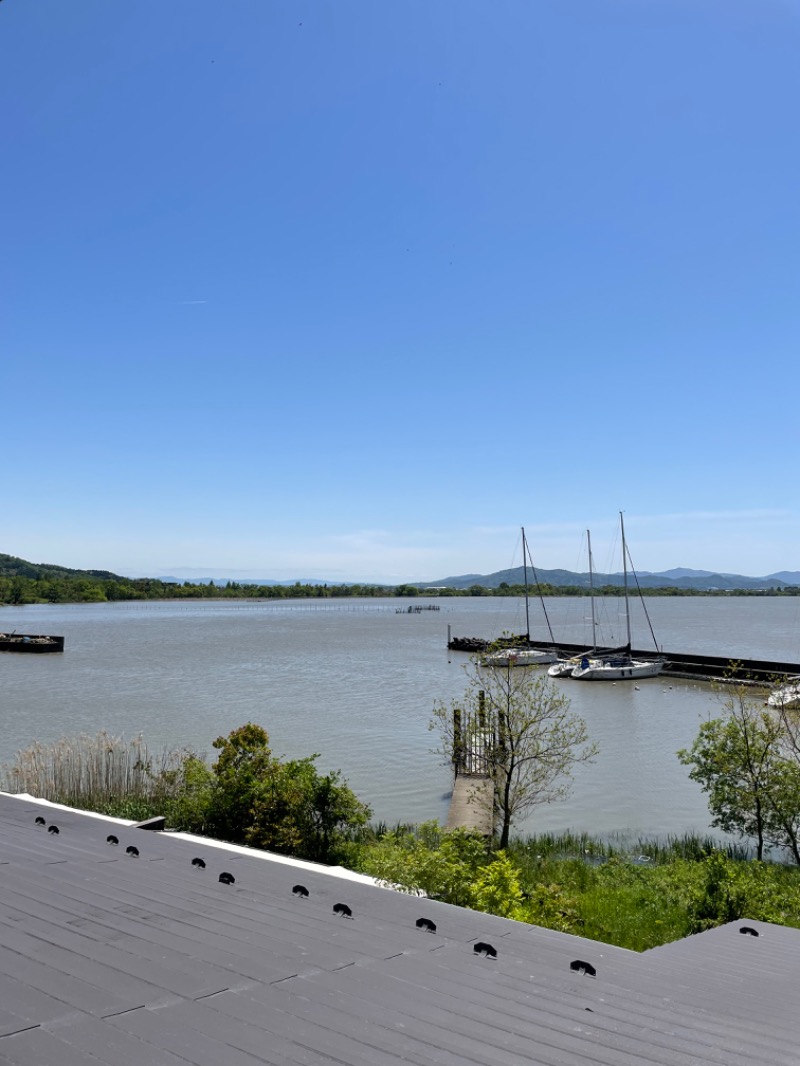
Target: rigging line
525 571
539 589
641 598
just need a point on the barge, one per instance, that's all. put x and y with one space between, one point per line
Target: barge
30 642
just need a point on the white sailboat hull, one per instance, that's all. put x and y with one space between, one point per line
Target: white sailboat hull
787 696
519 657
563 667
597 670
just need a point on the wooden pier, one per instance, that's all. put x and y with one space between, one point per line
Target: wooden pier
472 802
470 806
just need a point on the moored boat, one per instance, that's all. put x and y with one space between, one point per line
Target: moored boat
518 653
786 695
619 665
30 642
518 657
618 668
563 667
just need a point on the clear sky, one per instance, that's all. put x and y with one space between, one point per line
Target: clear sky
353 290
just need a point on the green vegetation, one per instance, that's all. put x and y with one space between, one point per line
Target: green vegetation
22 582
110 775
636 897
748 762
248 796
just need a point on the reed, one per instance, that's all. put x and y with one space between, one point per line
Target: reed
640 850
104 773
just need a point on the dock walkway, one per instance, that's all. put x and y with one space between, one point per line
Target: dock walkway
471 804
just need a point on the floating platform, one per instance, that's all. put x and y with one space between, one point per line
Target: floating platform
36 643
690 665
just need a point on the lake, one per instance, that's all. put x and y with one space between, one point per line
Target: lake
356 681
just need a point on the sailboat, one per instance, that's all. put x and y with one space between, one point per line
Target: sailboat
619 665
564 667
524 656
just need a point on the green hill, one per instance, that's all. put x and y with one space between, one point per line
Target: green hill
11 566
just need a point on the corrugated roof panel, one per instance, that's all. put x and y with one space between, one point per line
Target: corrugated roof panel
111 957
37 1047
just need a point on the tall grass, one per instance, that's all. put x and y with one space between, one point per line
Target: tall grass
104 773
655 850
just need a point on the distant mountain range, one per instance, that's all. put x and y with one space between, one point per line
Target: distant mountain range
678 578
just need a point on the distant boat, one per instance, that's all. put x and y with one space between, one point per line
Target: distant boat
619 665
524 656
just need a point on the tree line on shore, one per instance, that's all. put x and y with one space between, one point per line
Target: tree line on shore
84 587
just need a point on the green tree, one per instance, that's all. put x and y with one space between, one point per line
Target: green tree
17 591
260 800
532 741
753 788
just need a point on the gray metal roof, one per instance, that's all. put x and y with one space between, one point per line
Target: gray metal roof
117 958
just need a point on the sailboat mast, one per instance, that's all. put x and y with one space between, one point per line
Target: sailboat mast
625 578
591 589
525 570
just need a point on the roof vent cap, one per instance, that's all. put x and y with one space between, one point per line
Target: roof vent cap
301 891
579 966
486 951
111 839
199 863
342 910
226 878
132 851
748 930
426 924
53 829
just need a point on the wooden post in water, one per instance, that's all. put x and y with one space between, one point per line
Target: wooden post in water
458 741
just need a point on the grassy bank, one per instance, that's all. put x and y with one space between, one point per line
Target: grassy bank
633 894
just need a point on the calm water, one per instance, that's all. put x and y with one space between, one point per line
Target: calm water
356 682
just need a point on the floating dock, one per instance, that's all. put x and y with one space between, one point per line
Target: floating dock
36 643
690 665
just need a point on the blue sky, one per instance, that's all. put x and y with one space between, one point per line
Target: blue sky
353 290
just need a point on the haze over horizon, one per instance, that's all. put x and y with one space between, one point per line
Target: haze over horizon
354 291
